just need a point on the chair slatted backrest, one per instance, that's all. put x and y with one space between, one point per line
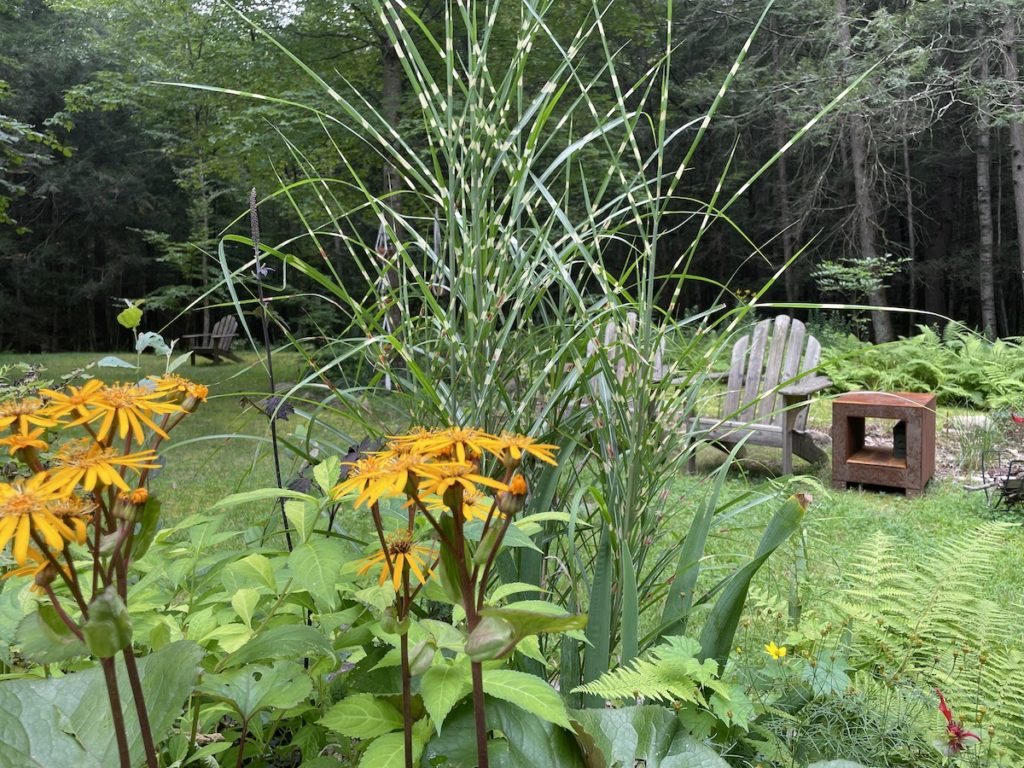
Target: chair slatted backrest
223 333
775 353
615 338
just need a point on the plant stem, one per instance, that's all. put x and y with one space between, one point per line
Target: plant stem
241 744
479 714
132 668
403 610
110 675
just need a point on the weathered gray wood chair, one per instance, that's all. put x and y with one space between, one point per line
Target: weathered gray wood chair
216 343
768 393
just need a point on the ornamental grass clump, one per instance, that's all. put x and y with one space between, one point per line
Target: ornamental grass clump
445 479
86 498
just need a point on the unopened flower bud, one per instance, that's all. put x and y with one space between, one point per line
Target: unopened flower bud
46 576
492 638
421 657
513 500
130 504
109 628
390 623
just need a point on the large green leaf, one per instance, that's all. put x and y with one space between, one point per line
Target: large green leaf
527 692
362 716
45 639
256 687
442 686
316 566
388 751
525 741
716 639
651 736
288 641
66 721
536 622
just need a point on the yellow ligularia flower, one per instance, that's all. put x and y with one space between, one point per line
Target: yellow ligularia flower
404 553
75 402
126 408
517 445
19 415
370 479
455 443
91 465
775 651
178 388
441 476
18 440
36 566
24 508
475 505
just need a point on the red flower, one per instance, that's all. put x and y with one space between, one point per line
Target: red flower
956 734
1016 419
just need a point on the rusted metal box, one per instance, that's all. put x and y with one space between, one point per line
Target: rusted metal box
910 466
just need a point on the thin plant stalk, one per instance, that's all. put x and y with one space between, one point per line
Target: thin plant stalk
110 676
404 603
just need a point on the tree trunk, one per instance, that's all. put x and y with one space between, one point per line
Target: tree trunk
863 193
983 154
1016 128
908 191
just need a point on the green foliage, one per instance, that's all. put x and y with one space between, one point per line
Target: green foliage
959 366
924 624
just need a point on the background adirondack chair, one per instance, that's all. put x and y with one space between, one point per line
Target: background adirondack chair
768 393
616 339
216 343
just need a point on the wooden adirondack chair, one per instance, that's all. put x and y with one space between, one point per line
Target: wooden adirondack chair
216 343
768 392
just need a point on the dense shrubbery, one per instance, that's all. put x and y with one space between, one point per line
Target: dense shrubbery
959 366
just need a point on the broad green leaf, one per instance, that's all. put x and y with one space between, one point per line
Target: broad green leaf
326 473
516 587
256 687
287 641
45 639
527 692
388 751
244 602
130 317
303 516
254 568
154 341
316 566
534 622
113 362
513 536
442 686
648 735
65 721
149 525
362 716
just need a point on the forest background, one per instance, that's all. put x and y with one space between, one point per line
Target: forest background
115 185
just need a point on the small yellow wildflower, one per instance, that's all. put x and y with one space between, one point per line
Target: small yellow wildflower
371 478
126 407
475 505
25 507
89 464
516 445
443 475
76 402
19 414
403 552
455 443
775 651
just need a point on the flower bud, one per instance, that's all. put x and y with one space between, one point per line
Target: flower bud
390 623
492 638
129 505
513 500
109 628
421 657
46 576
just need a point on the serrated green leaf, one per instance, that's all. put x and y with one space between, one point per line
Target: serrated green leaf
315 566
130 317
388 751
362 716
256 687
326 473
244 572
534 622
287 641
527 692
303 516
442 686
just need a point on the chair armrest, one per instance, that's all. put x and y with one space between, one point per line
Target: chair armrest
717 376
806 387
193 336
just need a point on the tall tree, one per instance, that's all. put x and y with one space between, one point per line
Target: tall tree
1011 75
983 157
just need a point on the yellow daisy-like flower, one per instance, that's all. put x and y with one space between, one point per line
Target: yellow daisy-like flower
178 388
404 553
23 413
475 505
19 440
775 651
75 402
516 445
25 507
91 465
370 478
441 476
37 569
128 408
456 443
